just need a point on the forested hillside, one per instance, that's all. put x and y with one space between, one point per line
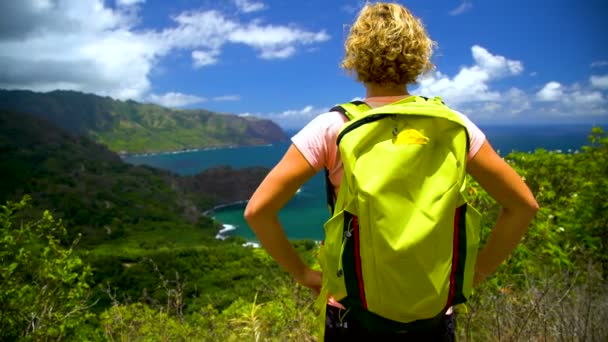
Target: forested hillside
131 127
94 191
153 271
111 227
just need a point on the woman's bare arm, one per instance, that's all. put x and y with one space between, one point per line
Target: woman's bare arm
261 214
518 208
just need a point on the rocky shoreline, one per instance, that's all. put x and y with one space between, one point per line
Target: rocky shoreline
211 211
224 184
225 231
229 187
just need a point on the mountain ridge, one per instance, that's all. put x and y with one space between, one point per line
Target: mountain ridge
133 127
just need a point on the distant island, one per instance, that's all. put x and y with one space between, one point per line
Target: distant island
129 127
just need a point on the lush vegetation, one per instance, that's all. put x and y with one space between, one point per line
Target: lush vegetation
167 278
91 188
106 200
135 235
554 285
43 286
131 127
218 290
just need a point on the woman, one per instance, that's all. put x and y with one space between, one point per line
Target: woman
387 49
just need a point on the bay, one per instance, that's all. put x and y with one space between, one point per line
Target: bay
304 215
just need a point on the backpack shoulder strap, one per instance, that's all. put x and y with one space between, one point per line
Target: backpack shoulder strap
351 109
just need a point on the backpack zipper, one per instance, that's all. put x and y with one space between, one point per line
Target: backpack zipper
359 123
346 235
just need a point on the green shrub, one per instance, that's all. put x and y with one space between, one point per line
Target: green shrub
43 286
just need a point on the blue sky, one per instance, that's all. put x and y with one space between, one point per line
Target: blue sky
518 61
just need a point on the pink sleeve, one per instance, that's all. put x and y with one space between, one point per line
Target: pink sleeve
317 140
476 136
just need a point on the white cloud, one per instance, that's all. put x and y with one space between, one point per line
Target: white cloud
552 91
196 29
507 107
306 111
30 19
212 30
598 64
586 98
571 101
203 58
573 96
464 7
88 46
275 41
174 100
247 6
600 82
79 45
292 118
473 90
129 2
227 98
496 66
472 83
518 101
278 53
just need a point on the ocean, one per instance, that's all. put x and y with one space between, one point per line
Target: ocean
304 215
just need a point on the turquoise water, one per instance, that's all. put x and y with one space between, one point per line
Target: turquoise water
304 215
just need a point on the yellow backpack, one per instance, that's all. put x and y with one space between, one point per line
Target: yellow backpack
401 244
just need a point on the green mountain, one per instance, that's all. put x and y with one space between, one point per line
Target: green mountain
95 192
131 127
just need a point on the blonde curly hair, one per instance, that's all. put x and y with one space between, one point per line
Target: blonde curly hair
387 45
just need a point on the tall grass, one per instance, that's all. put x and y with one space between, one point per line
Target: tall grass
566 306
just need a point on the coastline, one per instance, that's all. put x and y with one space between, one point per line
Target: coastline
227 228
224 232
126 154
211 211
